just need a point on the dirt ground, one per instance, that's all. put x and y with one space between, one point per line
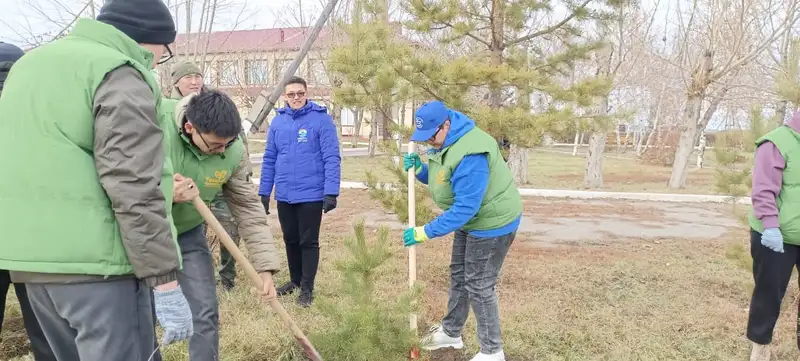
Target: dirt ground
585 280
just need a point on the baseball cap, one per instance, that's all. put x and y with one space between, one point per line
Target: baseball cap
427 120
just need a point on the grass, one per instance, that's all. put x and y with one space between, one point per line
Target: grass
554 170
629 299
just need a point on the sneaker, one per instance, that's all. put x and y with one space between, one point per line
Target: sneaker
760 352
287 288
438 339
499 356
306 298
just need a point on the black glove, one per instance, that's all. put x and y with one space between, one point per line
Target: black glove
328 204
265 202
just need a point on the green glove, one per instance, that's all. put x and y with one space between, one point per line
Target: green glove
412 160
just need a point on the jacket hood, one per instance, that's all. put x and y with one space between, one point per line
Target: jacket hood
460 124
113 38
309 107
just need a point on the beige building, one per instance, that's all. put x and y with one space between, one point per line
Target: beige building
244 63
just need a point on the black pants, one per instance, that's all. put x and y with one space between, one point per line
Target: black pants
40 347
771 273
300 225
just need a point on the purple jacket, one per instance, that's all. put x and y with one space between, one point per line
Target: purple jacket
768 179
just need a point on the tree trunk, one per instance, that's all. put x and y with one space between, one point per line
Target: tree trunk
701 149
616 132
373 132
575 146
593 177
359 116
337 120
402 120
518 163
780 112
686 142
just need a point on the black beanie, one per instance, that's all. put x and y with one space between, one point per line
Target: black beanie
144 21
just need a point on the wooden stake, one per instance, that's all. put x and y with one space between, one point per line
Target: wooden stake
242 261
412 251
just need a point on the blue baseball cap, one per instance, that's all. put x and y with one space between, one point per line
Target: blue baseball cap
427 120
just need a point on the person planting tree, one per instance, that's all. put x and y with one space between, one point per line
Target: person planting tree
210 159
91 242
187 79
774 230
469 180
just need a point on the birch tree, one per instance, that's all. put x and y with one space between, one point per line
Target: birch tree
716 42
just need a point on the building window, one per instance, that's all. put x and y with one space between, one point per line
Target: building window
257 72
281 66
228 73
208 76
317 72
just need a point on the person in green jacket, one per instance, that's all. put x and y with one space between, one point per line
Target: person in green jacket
86 218
210 161
187 79
467 178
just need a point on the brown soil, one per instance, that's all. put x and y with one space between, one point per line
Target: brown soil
14 340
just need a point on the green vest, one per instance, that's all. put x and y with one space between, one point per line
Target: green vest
501 204
788 200
56 216
209 171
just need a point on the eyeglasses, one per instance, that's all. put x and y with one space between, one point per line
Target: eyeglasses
166 56
295 95
217 146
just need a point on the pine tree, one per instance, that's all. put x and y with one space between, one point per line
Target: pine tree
733 173
502 59
365 326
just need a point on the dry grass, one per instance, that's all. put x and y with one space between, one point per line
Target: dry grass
634 300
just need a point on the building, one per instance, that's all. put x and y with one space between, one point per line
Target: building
245 63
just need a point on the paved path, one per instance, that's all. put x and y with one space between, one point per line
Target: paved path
550 222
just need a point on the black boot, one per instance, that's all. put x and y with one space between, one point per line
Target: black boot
306 298
227 284
286 289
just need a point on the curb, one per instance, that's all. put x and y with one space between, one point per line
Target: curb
570 194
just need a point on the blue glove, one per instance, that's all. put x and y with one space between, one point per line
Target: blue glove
772 239
413 236
411 160
174 315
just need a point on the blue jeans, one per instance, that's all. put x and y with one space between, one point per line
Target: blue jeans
474 271
200 289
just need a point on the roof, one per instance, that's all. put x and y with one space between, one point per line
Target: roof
257 40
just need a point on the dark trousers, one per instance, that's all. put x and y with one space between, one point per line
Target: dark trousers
40 347
771 273
300 225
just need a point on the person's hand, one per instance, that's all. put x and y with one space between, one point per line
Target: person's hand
411 160
772 239
184 189
268 291
265 202
173 313
413 236
328 203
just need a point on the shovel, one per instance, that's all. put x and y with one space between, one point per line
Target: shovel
227 242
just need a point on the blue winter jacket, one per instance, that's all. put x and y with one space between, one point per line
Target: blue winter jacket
301 158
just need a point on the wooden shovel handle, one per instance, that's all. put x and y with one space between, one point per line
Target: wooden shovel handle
237 254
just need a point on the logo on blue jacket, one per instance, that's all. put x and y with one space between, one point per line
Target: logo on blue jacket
302 135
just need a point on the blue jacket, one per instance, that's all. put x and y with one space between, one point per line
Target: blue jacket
301 158
470 180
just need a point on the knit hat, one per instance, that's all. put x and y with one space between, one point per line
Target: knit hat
9 52
144 21
183 69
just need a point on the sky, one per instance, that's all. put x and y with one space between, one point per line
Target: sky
20 18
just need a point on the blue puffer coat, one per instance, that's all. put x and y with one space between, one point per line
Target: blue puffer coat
301 158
